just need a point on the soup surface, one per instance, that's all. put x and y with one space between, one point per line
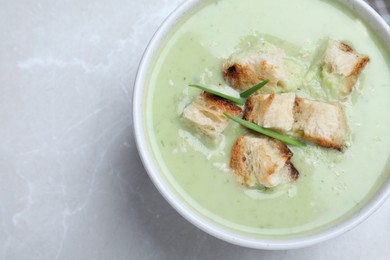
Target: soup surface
332 185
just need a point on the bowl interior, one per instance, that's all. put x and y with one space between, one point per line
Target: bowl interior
173 193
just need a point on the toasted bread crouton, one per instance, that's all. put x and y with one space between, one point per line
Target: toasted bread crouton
271 111
319 122
341 68
259 160
322 123
206 113
250 66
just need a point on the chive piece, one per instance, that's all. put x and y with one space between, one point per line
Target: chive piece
264 131
252 90
238 101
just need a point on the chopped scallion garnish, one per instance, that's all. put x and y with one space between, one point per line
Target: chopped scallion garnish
252 90
238 101
264 131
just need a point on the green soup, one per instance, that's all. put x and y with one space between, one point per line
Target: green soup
332 185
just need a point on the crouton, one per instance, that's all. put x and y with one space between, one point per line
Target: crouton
319 122
259 160
252 65
271 111
341 68
322 123
206 113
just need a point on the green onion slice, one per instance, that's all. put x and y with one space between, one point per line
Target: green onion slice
264 131
238 101
252 90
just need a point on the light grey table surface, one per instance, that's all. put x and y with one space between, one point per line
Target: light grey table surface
72 185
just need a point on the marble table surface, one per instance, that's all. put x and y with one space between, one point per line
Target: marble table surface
72 185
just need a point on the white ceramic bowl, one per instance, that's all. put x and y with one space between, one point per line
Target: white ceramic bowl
372 19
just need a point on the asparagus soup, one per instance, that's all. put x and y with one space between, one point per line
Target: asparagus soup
332 185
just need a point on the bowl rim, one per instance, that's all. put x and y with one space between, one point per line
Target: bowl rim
373 20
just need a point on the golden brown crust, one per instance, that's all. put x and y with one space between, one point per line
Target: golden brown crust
355 73
345 47
249 107
267 103
360 66
324 143
294 174
284 152
297 104
221 104
236 157
283 149
240 76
